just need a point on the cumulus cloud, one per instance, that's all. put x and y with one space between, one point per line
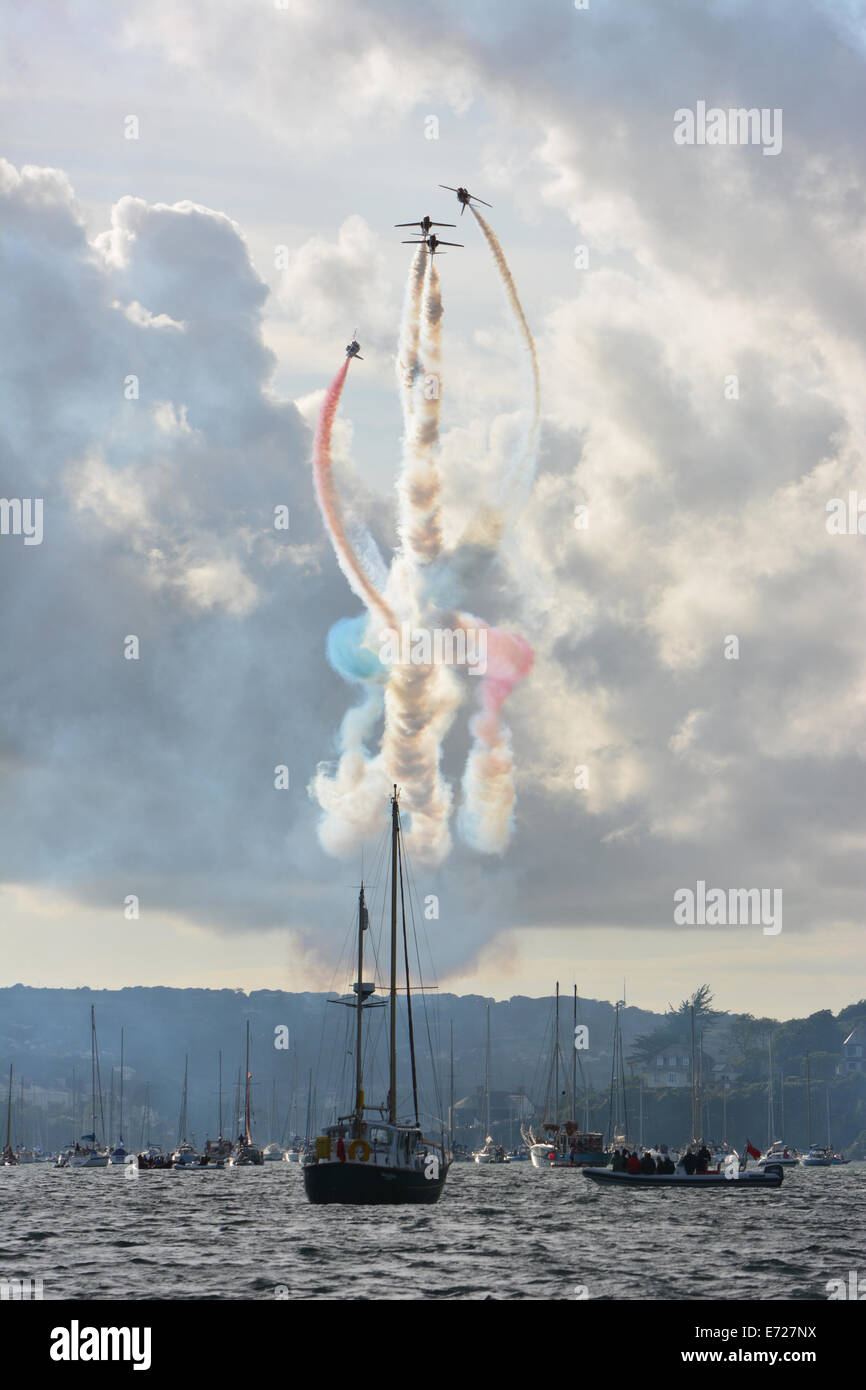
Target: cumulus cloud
702 393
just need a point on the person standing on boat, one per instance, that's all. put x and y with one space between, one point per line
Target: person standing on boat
647 1164
632 1164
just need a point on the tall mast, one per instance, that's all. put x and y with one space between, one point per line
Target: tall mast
183 1104
556 1061
574 1061
220 1126
451 1093
392 1070
93 1065
770 1107
692 1069
363 922
829 1144
809 1099
486 1116
724 1109
9 1110
409 1020
121 1121
74 1104
247 1092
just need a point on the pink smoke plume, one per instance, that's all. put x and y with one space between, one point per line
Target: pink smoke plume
329 503
486 816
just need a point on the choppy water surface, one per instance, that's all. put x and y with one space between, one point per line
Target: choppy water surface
498 1232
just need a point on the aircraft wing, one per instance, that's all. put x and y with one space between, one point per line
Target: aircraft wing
448 243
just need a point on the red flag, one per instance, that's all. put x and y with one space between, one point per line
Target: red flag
753 1153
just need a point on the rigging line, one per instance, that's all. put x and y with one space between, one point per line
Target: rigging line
408 989
437 1093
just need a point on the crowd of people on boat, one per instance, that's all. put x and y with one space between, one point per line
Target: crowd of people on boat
693 1160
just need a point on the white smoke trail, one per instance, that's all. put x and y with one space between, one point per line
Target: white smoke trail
352 794
489 523
420 515
420 699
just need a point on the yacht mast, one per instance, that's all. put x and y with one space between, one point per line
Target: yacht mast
392 1044
249 1138
451 1101
9 1110
770 1107
409 1020
121 1119
556 1060
809 1099
574 1061
693 1069
93 1066
486 1113
363 922
183 1105
220 1126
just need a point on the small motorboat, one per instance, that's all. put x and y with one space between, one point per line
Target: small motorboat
818 1158
780 1153
490 1153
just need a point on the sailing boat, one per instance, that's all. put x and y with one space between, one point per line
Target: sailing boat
87 1153
119 1154
8 1158
360 1160
245 1153
273 1152
777 1150
817 1157
489 1152
566 1144
185 1156
217 1151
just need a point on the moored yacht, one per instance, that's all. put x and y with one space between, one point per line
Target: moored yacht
120 1155
245 1153
370 1156
88 1152
185 1157
8 1158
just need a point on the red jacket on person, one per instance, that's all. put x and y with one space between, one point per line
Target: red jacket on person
632 1164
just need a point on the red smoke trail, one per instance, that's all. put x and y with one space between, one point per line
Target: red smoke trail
329 503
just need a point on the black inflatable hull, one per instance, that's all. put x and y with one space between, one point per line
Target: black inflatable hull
746 1182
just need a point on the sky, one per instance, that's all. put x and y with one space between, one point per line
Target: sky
698 644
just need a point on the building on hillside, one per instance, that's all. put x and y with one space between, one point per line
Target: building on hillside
853 1052
668 1068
